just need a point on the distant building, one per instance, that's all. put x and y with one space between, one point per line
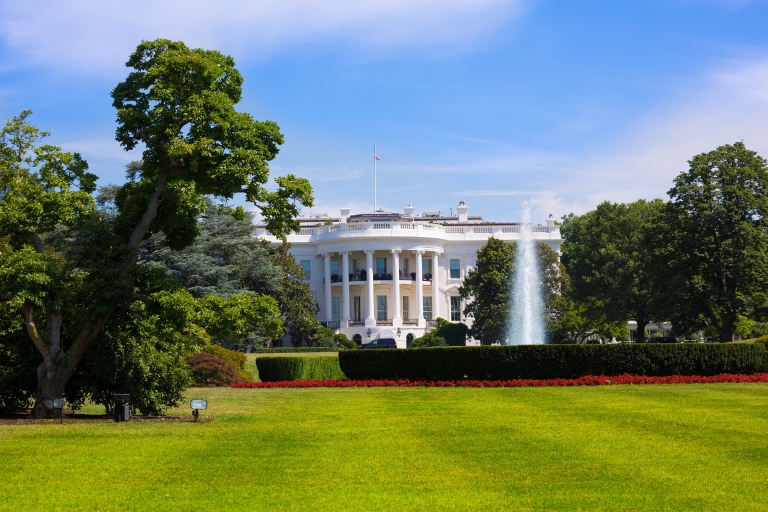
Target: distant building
392 274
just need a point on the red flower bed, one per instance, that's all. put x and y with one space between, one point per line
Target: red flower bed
589 380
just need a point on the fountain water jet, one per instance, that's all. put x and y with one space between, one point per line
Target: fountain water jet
527 322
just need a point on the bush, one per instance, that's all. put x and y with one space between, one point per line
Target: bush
212 370
292 350
551 361
325 337
272 369
429 340
762 339
236 359
343 342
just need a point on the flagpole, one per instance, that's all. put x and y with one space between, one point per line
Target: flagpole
374 177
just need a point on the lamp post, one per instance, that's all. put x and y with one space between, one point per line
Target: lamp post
197 405
59 404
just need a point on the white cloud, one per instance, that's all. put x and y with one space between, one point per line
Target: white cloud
94 34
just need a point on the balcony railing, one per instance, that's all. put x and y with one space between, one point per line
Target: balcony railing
383 322
357 323
410 322
332 324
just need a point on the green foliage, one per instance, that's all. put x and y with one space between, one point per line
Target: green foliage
294 298
236 359
551 361
714 266
325 337
212 370
608 254
490 286
272 369
180 103
293 350
343 342
430 339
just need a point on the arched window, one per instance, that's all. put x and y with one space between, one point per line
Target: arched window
358 339
408 340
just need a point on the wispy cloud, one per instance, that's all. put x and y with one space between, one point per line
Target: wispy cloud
98 35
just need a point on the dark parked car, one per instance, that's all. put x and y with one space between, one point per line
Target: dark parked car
380 343
665 339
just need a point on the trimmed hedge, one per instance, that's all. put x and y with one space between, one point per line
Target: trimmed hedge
273 369
551 361
287 350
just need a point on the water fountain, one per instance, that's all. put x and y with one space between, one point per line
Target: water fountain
527 322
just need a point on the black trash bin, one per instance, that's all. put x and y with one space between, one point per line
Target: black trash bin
122 407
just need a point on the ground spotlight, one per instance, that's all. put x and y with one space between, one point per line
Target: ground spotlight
197 405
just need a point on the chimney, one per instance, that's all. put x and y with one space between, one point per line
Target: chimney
409 210
345 214
463 211
550 220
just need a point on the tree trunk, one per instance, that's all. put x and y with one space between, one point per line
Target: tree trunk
726 332
50 386
641 323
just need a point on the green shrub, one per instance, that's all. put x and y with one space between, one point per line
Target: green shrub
273 369
762 339
292 350
552 361
212 370
343 342
236 359
429 340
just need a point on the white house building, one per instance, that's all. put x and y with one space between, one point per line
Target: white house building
381 275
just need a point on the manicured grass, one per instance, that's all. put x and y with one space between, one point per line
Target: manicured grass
658 447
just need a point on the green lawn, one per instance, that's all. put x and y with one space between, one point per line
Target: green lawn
670 447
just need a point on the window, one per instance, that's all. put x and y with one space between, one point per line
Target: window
455 309
335 316
356 308
381 307
405 265
381 266
428 308
334 267
355 265
307 266
426 266
455 269
406 308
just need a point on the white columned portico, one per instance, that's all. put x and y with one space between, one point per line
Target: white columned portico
327 286
419 290
345 289
396 321
370 320
435 287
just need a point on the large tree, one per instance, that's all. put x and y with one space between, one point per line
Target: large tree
608 254
715 261
179 103
489 288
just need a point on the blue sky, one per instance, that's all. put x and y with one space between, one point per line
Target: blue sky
493 102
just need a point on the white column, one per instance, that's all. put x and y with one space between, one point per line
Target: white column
370 320
435 287
419 291
327 271
396 321
345 289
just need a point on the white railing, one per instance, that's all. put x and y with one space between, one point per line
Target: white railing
416 229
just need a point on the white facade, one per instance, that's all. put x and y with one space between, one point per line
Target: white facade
391 275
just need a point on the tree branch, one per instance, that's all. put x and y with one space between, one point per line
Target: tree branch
29 319
5 297
32 237
135 296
